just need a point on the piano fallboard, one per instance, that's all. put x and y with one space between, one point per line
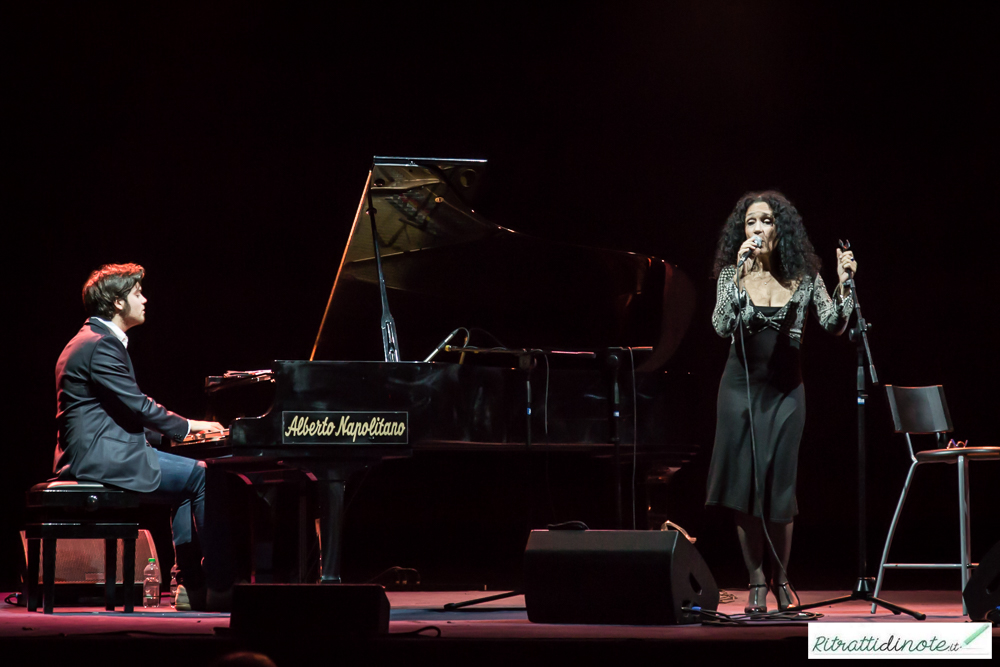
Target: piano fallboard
452 406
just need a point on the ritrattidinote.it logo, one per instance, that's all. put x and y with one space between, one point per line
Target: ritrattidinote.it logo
900 640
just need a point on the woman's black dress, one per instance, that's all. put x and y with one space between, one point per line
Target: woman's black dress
772 338
779 415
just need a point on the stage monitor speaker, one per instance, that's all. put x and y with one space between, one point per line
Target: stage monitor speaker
621 577
982 593
316 610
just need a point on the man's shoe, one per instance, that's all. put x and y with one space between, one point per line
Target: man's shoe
181 601
193 600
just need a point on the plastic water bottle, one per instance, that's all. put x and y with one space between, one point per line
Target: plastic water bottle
173 585
151 584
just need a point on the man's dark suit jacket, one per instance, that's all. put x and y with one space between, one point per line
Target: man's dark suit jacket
102 414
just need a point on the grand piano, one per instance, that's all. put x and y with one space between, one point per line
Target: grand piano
526 345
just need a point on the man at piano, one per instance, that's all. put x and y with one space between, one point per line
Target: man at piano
106 426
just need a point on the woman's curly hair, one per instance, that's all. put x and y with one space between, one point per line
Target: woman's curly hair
794 256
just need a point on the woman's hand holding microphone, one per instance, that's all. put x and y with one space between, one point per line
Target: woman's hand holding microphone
748 251
846 266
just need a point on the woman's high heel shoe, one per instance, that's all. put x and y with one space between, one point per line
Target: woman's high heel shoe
785 594
757 603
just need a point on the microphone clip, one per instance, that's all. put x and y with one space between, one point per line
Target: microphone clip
445 342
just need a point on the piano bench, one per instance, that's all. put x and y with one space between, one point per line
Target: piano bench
67 510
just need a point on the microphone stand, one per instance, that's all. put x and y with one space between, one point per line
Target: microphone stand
526 362
614 418
864 585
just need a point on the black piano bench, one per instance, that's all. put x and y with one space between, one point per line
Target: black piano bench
67 510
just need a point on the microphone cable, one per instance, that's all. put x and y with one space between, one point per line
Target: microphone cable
759 504
779 618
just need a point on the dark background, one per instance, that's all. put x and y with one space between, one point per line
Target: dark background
224 145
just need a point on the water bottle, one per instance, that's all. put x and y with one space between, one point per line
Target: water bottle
151 584
173 585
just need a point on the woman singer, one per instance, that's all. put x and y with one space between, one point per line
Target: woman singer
761 306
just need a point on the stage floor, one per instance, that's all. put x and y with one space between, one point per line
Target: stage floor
487 630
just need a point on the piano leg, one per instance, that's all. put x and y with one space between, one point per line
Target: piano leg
303 534
225 542
333 523
331 492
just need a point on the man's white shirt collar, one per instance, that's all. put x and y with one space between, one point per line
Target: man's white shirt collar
120 335
115 329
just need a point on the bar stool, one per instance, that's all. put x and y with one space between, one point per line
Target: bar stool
923 410
66 510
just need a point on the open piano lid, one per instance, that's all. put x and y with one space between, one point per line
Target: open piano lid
446 267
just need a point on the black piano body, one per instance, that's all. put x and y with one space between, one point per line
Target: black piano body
617 318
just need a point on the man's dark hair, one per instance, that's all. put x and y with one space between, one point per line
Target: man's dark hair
108 284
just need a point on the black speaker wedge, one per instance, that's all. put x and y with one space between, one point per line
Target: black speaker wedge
620 577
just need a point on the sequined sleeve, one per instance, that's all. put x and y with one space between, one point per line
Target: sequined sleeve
728 303
832 313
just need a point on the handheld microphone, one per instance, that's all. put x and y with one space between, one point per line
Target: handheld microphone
757 242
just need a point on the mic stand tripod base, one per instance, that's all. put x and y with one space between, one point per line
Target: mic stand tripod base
862 591
451 606
864 585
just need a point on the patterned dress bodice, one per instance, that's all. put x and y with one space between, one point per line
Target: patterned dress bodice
790 319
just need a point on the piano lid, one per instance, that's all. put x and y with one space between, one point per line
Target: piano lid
445 266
